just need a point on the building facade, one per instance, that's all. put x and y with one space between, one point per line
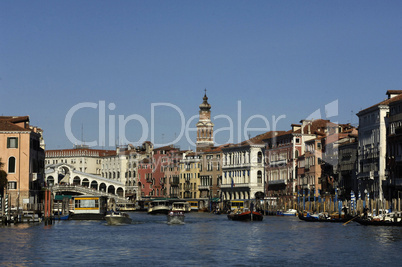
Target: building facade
211 173
373 146
23 158
243 168
190 175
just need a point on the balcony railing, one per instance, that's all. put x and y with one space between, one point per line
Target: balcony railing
276 163
275 182
204 187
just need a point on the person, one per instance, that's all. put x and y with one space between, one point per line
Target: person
365 213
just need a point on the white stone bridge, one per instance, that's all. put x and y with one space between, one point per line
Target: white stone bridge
63 177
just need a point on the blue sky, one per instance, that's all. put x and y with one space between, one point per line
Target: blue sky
272 58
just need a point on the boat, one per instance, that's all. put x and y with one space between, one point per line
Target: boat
181 206
289 212
117 217
245 216
383 219
324 217
378 222
158 207
175 217
89 208
62 217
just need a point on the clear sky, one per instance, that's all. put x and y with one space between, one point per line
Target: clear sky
257 59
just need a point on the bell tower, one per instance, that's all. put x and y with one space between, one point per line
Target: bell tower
205 128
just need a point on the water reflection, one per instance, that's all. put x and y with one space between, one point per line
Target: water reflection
204 240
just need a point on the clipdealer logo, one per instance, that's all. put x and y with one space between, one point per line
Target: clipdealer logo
147 129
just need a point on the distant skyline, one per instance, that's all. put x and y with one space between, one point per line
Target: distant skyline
256 59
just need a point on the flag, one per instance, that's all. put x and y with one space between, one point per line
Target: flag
319 196
336 197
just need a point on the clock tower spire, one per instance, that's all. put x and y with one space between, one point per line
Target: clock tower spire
205 128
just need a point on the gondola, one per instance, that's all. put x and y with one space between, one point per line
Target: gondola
245 216
321 218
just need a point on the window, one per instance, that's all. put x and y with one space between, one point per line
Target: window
12 185
12 142
11 165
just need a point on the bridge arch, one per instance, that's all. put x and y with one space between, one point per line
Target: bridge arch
76 180
85 182
50 180
111 189
94 184
120 192
102 187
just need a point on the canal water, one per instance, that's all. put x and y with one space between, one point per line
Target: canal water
204 240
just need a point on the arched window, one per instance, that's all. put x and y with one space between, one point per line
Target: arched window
11 165
259 177
259 157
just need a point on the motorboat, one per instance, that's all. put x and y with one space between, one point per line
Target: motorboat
175 217
117 217
158 207
289 212
246 215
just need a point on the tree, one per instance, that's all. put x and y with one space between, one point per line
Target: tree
3 178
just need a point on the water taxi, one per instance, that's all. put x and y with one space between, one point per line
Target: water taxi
89 208
181 206
158 207
117 217
175 217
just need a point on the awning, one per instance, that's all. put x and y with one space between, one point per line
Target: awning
60 197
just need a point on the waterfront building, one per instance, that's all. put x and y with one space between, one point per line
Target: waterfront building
172 171
210 173
189 175
243 168
82 158
145 179
282 154
205 127
165 163
23 157
394 152
372 145
346 171
308 182
335 134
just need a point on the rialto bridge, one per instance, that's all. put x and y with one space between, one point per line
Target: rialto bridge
62 176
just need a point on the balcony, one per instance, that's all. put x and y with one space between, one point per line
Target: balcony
277 163
367 175
204 187
275 182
